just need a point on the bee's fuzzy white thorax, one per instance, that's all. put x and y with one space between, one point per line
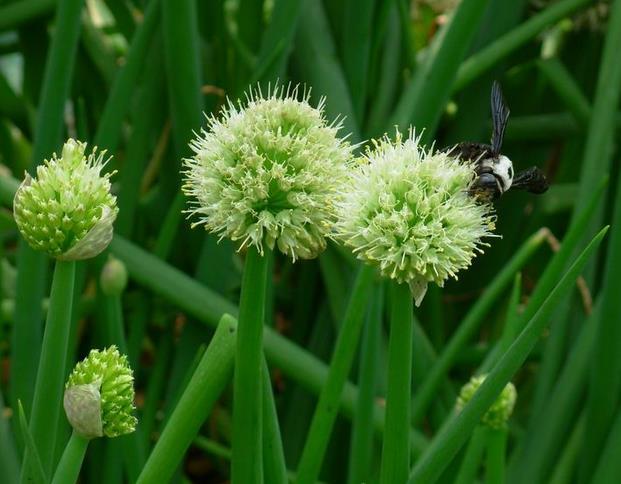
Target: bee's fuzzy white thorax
502 167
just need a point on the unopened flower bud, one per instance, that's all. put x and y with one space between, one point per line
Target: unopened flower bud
99 395
67 210
498 414
113 278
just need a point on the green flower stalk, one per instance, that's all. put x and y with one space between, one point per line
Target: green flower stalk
67 210
498 414
99 401
407 211
268 173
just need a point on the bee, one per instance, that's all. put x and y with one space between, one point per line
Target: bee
494 171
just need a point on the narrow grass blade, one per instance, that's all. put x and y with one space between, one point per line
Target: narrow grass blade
276 41
609 467
317 62
111 121
425 97
489 56
546 432
387 67
17 13
565 469
448 442
274 467
356 48
9 462
212 375
33 466
566 88
340 366
182 69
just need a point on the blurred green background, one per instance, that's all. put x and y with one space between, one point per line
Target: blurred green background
134 78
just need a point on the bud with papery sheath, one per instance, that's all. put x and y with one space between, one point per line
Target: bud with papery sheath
99 395
67 210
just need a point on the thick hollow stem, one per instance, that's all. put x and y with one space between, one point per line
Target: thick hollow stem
396 446
70 463
51 374
496 450
340 366
246 465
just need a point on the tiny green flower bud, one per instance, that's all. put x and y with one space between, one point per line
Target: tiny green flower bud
99 395
498 414
407 211
113 278
67 209
269 172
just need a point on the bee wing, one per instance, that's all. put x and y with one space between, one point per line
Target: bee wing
500 116
532 180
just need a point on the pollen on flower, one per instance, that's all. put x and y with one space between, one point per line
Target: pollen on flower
67 210
499 412
407 211
99 395
268 172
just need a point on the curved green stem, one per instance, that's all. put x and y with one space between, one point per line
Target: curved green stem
246 464
340 366
396 446
70 463
496 450
211 376
51 374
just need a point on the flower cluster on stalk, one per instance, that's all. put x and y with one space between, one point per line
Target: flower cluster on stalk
268 172
67 210
407 211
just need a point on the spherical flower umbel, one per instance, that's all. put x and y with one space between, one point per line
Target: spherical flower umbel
67 209
99 395
268 172
407 211
497 415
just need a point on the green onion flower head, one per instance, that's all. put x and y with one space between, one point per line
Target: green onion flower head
407 211
67 209
99 395
498 414
268 172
